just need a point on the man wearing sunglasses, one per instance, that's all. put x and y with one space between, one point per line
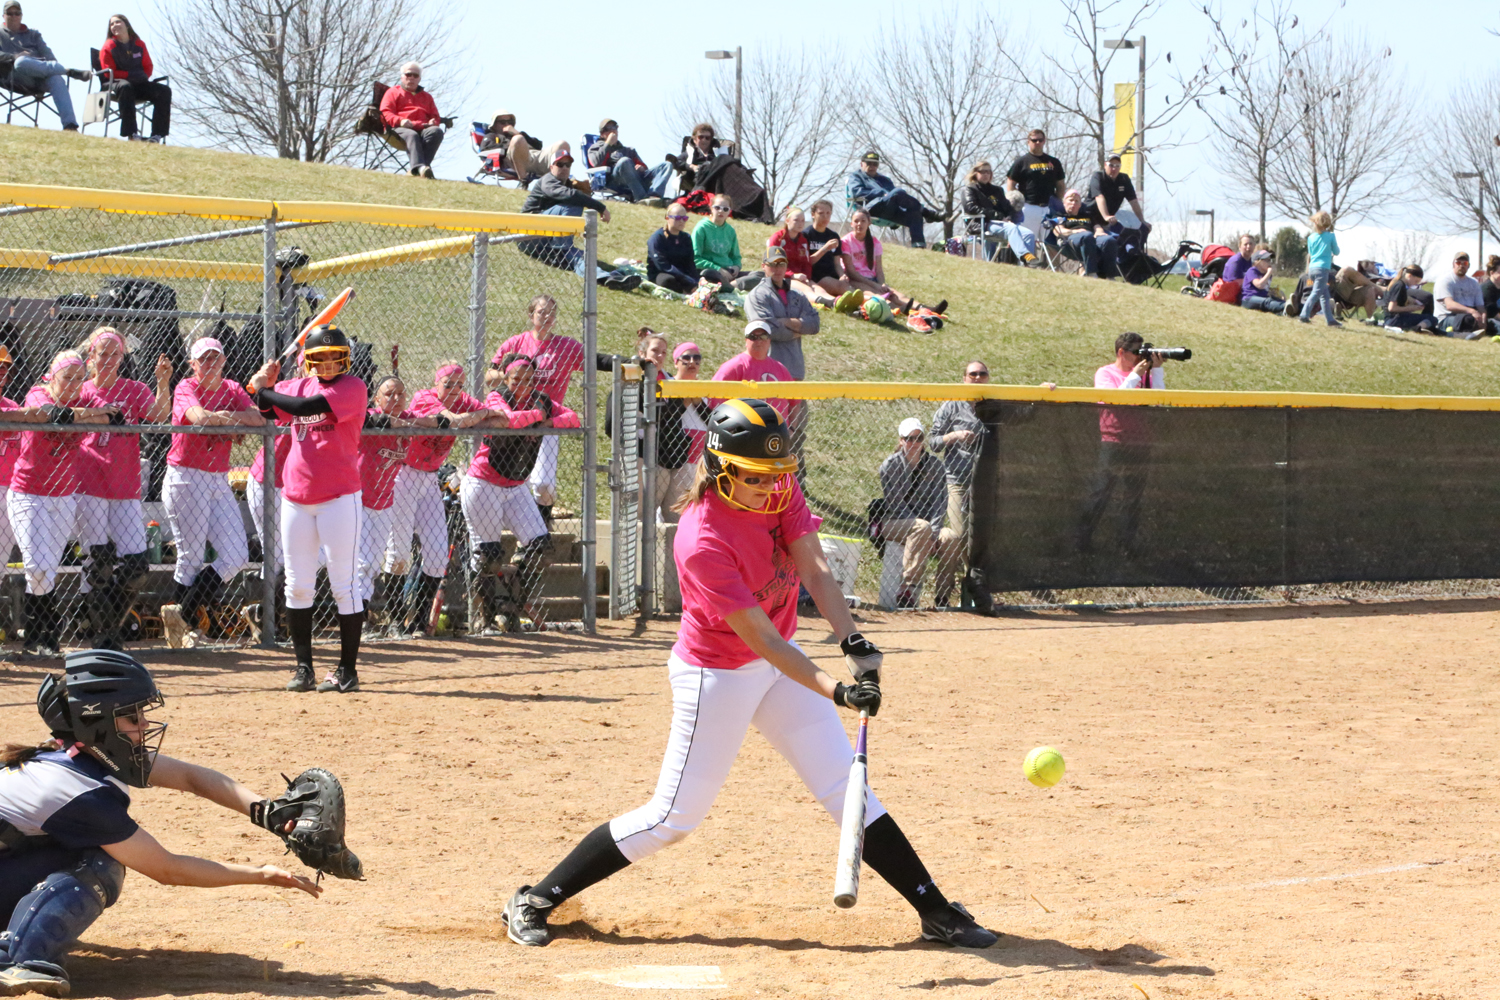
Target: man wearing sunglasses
669 254
34 65
957 435
912 481
756 365
555 194
411 112
1039 177
521 152
628 173
879 195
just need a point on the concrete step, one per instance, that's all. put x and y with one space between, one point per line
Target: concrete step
570 609
561 578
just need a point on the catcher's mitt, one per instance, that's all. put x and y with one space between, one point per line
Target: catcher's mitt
314 803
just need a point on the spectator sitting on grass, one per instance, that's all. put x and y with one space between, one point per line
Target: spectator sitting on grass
1258 293
914 484
555 194
1408 306
827 268
1457 302
716 248
879 195
34 64
1236 266
1490 287
756 365
861 254
669 254
992 204
801 256
791 316
628 173
1082 230
412 114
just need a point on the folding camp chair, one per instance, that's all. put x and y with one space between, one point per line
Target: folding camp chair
101 106
384 149
24 99
598 175
490 168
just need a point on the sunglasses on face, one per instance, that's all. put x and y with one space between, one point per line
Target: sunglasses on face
977 374
691 359
721 208
417 75
677 218
918 436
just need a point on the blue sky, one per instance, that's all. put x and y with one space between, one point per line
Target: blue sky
562 67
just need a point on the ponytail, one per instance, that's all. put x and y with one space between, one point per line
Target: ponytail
15 754
702 483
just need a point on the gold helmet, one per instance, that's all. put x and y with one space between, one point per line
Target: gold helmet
325 343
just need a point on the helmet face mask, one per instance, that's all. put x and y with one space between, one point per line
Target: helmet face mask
102 702
747 438
325 344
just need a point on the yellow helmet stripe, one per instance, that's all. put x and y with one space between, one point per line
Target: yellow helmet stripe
746 410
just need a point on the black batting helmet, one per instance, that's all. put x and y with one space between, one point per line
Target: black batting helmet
749 435
98 688
326 343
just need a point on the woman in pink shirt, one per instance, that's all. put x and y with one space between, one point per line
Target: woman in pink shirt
10 447
43 502
201 508
417 498
495 497
111 523
861 254
745 542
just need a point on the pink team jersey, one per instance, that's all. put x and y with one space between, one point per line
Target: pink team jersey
557 358
209 452
109 465
729 560
10 445
480 467
742 367
46 466
427 454
380 458
1124 424
323 463
283 446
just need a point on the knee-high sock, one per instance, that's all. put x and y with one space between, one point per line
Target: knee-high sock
595 859
350 627
894 859
299 623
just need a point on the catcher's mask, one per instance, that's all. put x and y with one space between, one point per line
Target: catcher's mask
325 343
100 702
749 436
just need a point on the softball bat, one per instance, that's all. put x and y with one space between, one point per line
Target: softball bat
852 832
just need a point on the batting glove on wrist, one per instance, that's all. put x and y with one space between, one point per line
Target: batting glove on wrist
863 696
862 658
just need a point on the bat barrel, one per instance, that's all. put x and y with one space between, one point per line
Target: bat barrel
852 828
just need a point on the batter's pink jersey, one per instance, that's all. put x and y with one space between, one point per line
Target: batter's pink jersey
283 446
10 445
109 465
729 560
324 460
742 367
1124 424
380 458
480 467
427 454
557 358
46 467
209 452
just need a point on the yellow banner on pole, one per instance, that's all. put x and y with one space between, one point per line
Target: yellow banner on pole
1125 126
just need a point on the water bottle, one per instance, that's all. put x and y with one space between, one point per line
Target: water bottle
153 542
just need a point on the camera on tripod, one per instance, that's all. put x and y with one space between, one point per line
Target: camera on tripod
1165 353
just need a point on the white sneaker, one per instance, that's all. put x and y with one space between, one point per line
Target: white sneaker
176 627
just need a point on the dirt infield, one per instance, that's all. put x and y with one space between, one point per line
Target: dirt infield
1285 803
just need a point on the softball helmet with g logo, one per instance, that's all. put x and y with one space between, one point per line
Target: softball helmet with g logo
750 436
326 343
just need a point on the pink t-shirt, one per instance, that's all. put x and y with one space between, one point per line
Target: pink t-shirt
855 248
1124 424
744 368
557 358
426 454
324 461
283 446
480 467
109 465
46 467
729 560
209 452
10 445
380 457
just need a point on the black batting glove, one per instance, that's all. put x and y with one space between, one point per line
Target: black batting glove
863 696
260 815
862 658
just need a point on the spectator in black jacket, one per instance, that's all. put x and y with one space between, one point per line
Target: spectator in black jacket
1407 305
669 254
1109 189
554 194
992 204
125 66
628 174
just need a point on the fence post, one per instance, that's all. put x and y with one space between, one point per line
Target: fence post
648 494
268 309
587 527
478 291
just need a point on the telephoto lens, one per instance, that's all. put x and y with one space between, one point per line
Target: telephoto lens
1168 353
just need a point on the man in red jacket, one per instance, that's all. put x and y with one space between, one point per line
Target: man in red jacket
410 111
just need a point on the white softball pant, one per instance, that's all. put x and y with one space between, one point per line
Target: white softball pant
333 527
201 508
544 473
102 521
255 498
490 509
7 533
43 526
711 710
417 506
374 539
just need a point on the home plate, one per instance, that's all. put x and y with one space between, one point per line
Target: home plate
653 977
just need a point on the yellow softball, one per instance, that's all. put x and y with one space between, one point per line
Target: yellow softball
1044 767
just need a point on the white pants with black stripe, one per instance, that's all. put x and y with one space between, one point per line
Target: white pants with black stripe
7 533
543 479
374 538
201 508
43 526
711 711
490 509
417 506
255 499
102 521
334 527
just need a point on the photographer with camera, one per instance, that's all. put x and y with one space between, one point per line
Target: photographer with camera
1124 437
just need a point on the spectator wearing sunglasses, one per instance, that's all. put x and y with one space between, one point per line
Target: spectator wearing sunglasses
913 483
756 365
411 112
957 435
716 247
669 254
677 446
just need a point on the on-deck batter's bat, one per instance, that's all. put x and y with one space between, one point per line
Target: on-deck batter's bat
396 360
325 315
852 833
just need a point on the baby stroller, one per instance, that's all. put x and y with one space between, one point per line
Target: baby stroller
1209 269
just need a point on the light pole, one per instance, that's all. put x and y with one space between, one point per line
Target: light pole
739 76
1140 106
1210 213
1480 178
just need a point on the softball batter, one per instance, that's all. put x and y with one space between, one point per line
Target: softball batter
201 508
111 523
321 507
66 833
745 541
42 502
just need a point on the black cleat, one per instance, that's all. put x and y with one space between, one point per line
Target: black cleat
525 918
303 679
953 926
343 681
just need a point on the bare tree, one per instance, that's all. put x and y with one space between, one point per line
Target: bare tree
1349 155
1470 131
294 75
931 106
789 120
1410 246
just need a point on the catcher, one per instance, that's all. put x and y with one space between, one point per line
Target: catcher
66 835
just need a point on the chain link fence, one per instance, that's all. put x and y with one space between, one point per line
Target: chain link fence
456 535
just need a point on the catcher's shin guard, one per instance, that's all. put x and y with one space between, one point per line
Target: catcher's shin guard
49 919
530 560
488 559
